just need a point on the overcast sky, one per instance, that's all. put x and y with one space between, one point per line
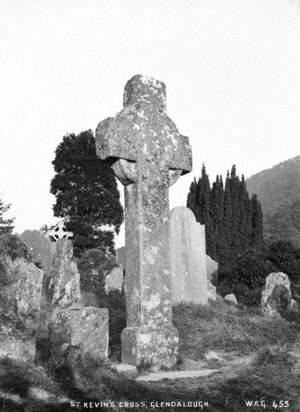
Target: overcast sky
232 70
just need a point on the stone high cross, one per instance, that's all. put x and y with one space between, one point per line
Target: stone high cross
148 155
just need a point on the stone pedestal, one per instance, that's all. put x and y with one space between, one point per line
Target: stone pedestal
78 331
150 347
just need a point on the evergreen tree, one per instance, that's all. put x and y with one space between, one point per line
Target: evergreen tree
217 215
6 225
191 199
86 193
257 222
233 222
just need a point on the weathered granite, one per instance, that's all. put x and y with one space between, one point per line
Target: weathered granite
64 284
20 296
74 330
231 298
114 279
276 294
147 154
78 331
188 257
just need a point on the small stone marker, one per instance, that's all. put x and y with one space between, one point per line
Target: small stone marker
277 294
148 155
114 279
231 298
188 257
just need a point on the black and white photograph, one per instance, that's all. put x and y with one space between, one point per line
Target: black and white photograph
149 205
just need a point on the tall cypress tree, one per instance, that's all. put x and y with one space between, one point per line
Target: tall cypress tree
233 222
257 222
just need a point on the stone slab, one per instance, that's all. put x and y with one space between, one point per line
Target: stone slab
64 284
77 331
172 375
188 258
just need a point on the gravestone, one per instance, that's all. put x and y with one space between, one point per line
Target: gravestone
59 231
148 155
74 329
188 257
276 295
64 285
114 279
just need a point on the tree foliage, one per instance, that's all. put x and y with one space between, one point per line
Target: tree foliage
86 193
6 225
233 221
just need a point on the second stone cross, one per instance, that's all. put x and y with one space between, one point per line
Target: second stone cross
147 154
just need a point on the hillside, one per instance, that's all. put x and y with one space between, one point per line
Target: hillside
278 190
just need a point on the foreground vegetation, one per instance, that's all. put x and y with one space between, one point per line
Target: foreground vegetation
258 359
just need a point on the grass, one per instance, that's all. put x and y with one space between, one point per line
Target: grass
233 331
229 329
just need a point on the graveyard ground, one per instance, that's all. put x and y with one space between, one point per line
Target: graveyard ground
256 358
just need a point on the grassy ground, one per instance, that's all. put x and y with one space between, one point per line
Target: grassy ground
260 361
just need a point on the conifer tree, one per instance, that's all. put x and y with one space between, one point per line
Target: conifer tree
257 222
233 222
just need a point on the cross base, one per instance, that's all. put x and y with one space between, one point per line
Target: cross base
150 347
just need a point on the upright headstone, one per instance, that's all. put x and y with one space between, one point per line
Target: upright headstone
64 285
74 330
148 155
188 258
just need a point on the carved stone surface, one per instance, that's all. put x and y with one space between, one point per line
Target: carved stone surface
188 258
276 294
78 331
64 284
20 297
148 154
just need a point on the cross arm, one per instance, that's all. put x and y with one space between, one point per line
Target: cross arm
181 157
114 138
